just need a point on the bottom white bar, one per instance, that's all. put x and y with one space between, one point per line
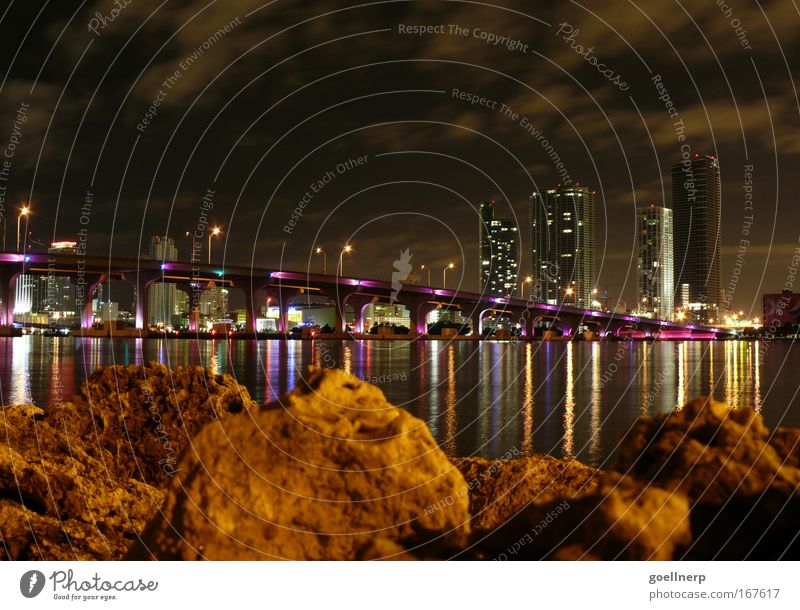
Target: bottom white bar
401 585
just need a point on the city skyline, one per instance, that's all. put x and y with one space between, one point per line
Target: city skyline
417 123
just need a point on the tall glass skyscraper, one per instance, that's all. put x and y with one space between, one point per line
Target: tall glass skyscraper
655 262
562 225
696 202
498 246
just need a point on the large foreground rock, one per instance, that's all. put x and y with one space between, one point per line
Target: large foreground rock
621 519
82 479
741 479
332 471
499 489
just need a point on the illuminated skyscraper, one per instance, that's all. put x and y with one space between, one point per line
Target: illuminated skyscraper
562 245
654 261
696 200
162 247
499 253
162 297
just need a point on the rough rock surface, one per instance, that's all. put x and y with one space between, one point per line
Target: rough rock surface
82 479
321 474
621 519
743 481
499 489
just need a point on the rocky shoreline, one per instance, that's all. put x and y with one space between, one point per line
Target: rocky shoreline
151 462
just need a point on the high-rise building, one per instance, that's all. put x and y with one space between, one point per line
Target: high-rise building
162 297
484 243
162 304
696 202
214 303
654 261
562 246
162 247
499 252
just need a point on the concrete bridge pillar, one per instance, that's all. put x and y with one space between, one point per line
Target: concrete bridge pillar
340 299
141 282
194 290
253 300
527 321
8 284
359 304
280 297
418 309
475 319
85 295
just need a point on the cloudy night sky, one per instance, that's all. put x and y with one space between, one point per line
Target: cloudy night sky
292 89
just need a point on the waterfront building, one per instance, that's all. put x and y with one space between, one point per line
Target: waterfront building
655 280
562 242
499 252
696 203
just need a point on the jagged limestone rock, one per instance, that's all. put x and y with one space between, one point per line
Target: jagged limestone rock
320 474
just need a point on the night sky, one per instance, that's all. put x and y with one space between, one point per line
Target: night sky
288 91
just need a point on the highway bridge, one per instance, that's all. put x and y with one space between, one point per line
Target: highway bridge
282 288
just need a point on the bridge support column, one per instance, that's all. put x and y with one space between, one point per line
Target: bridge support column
359 304
85 296
475 321
8 283
194 290
340 301
280 297
527 324
253 300
141 283
418 309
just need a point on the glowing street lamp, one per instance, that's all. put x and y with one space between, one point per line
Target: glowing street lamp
24 211
444 274
324 260
214 232
190 234
428 269
347 249
527 280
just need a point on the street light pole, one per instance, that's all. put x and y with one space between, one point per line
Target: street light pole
428 269
324 260
348 248
527 280
194 244
23 212
214 232
444 274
